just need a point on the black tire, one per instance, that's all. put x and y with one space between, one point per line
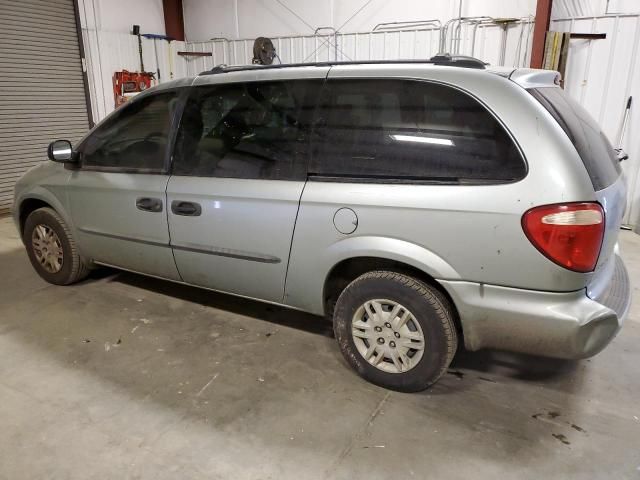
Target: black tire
429 307
73 268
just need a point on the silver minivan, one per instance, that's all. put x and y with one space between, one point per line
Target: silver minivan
419 204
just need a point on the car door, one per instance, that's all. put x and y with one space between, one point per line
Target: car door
398 168
239 170
117 194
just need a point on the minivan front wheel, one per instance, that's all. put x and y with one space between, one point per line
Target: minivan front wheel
395 330
52 249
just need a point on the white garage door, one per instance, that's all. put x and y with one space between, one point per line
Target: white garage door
42 94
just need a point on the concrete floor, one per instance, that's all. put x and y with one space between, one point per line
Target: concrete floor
123 376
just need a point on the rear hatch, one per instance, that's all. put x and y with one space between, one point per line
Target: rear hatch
602 165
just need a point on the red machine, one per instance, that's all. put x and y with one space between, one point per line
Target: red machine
128 84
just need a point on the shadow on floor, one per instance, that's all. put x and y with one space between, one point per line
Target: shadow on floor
528 368
241 306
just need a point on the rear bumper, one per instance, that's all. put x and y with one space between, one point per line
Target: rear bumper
562 325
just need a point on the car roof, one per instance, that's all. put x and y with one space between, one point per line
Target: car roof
460 61
317 70
525 77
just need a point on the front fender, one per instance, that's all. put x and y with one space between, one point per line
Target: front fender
45 182
44 195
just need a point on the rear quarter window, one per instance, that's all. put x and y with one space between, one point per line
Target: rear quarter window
592 145
409 130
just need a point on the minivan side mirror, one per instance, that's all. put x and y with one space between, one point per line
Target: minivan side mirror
60 151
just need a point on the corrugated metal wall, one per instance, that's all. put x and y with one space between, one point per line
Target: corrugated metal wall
108 52
483 41
42 94
601 75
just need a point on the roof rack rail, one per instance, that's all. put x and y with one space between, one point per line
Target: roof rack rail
458 61
440 59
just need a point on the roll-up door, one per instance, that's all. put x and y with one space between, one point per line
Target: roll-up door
42 91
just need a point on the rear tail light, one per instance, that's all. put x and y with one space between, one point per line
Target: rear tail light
568 234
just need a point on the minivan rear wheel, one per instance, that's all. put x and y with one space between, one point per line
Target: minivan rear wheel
52 249
395 330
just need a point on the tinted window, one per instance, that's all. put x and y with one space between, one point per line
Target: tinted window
410 130
247 130
592 145
135 137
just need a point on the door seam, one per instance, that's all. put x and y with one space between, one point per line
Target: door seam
293 234
166 202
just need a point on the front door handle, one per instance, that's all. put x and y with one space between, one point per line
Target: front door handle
187 209
148 204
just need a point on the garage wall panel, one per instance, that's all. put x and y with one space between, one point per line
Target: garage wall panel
110 52
602 75
42 95
234 19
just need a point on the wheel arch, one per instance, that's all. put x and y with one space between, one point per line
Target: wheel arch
28 206
39 198
347 270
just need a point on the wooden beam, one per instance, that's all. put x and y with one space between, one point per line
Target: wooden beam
195 54
543 18
589 36
173 19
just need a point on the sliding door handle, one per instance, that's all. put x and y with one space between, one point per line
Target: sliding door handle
148 204
187 209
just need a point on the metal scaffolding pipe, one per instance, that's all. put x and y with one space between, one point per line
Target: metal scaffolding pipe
393 26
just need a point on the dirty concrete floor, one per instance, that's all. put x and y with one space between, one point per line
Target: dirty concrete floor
124 376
